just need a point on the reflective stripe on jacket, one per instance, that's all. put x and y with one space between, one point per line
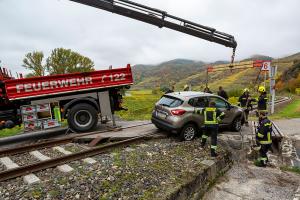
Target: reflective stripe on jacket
264 132
212 116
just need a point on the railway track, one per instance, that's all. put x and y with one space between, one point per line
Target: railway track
281 100
54 142
277 102
46 162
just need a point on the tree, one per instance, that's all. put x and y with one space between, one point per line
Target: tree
63 61
29 75
34 62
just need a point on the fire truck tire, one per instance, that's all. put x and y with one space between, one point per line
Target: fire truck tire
82 117
9 124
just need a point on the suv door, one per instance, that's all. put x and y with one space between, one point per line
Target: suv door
224 107
198 102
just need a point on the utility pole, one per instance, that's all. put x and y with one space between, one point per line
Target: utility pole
273 72
206 81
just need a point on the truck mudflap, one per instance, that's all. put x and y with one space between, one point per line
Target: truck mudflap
67 83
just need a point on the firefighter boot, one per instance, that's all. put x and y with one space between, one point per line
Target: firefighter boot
260 163
203 142
213 153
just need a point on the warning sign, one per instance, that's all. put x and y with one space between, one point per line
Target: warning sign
266 66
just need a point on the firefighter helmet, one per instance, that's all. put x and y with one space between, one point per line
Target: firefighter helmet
261 89
186 87
246 90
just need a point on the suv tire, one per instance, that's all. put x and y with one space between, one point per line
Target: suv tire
236 124
188 132
158 127
82 117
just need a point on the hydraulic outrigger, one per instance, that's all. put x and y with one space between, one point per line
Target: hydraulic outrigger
162 19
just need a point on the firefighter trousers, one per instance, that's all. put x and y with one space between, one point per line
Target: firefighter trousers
263 158
246 114
212 131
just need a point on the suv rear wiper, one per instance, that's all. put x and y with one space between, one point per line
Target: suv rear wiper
164 105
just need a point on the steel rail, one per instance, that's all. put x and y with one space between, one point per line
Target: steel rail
276 102
51 143
38 166
278 130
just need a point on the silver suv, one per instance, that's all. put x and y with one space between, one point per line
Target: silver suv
174 112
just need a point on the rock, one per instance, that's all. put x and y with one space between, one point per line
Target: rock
77 196
149 154
114 167
128 149
111 178
143 145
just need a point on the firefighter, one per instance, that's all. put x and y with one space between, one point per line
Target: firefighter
170 90
207 90
222 93
264 139
245 101
212 117
186 88
262 100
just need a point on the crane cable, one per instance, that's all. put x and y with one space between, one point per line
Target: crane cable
232 59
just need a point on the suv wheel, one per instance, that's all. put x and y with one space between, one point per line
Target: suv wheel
236 124
188 132
158 127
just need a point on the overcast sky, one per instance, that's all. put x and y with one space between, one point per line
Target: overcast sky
270 27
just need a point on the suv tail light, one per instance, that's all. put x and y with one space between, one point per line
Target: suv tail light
178 112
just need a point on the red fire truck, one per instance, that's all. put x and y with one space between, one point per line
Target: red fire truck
81 97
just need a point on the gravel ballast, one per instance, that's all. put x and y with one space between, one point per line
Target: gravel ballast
23 159
148 170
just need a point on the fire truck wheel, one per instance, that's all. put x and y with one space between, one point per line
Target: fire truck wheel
82 117
9 124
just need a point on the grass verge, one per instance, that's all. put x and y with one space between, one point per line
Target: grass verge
290 169
292 110
10 132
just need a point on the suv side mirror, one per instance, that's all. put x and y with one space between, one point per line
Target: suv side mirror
229 107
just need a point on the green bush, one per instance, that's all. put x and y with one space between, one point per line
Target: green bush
235 92
297 90
156 91
140 105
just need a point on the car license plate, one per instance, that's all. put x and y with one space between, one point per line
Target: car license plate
160 115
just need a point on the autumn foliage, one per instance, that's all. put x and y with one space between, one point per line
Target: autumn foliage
290 79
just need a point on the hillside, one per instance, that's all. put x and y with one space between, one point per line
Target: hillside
258 57
164 74
180 72
292 57
290 79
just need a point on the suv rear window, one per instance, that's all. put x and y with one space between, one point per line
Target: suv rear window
171 102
